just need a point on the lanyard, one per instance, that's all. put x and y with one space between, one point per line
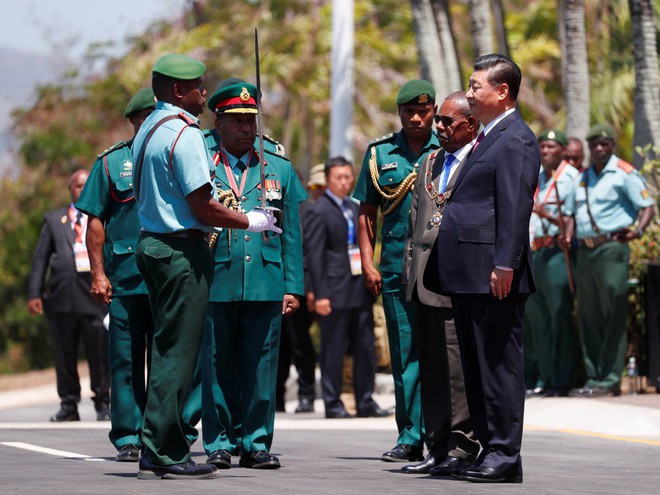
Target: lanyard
238 191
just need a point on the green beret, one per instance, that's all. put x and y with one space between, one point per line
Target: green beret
234 95
179 67
416 91
554 135
601 131
142 100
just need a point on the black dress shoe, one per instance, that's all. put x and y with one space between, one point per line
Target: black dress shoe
103 414
512 474
424 467
341 414
65 415
535 392
590 392
128 453
449 465
375 413
185 470
259 460
403 453
220 458
305 406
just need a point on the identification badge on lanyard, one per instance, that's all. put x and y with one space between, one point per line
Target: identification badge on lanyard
354 258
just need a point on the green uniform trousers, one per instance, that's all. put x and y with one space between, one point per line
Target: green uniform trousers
602 294
401 320
178 273
549 336
239 374
129 340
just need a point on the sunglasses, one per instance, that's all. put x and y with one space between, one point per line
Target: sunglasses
447 121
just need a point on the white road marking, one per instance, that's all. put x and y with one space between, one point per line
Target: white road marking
55 452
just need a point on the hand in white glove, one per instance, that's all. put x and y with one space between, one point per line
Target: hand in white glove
261 220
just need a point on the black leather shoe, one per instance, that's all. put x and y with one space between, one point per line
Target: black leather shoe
259 460
535 392
103 414
424 467
341 414
128 453
220 459
376 413
512 474
403 453
449 465
183 471
305 406
65 415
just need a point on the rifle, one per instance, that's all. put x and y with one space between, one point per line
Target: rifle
562 245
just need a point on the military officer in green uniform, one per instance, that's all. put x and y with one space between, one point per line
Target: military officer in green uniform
549 337
257 280
388 173
112 233
178 207
611 197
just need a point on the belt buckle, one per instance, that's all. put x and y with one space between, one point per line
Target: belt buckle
589 242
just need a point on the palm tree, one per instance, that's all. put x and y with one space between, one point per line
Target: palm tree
452 69
575 69
482 32
647 97
431 55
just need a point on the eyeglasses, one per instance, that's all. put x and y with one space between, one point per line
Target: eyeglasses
447 121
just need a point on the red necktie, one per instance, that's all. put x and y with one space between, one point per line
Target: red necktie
480 138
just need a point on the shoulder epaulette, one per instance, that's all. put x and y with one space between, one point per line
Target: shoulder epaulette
112 148
279 149
188 120
381 139
276 152
625 166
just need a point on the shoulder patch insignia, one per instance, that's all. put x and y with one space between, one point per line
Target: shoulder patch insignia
625 166
112 148
279 149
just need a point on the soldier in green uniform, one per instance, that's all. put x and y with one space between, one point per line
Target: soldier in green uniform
112 234
388 172
257 280
611 197
549 337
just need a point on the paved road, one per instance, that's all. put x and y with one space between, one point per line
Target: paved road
575 446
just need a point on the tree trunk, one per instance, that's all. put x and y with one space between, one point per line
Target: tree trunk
482 32
647 96
500 28
431 54
575 68
452 69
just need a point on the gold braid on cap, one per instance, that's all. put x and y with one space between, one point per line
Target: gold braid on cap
227 199
399 193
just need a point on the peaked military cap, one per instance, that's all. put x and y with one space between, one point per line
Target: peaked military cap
234 95
142 100
554 135
178 66
416 91
601 131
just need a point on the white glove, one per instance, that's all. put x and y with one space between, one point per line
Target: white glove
260 220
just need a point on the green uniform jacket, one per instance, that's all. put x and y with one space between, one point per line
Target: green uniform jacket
108 195
395 161
247 268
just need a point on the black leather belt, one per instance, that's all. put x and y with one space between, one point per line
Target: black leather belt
183 234
593 242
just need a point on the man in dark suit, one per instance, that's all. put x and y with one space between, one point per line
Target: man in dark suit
343 303
69 308
448 431
484 262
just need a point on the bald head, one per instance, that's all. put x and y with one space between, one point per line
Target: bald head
76 183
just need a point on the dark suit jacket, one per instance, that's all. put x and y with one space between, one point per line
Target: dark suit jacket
326 235
67 290
486 223
419 267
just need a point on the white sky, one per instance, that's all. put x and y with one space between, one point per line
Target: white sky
45 26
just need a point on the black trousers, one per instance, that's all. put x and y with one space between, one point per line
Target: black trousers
490 334
448 430
353 327
296 344
66 330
